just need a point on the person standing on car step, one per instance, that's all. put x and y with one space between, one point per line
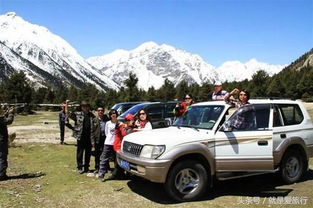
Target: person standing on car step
218 92
84 133
99 138
6 118
182 107
243 98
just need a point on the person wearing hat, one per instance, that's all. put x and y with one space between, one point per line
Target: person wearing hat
218 92
84 132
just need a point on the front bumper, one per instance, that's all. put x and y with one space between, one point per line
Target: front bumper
150 169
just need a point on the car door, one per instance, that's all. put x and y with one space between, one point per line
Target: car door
245 141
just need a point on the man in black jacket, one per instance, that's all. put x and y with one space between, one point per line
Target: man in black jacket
97 141
83 131
6 118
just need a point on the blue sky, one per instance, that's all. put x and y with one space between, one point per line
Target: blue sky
272 31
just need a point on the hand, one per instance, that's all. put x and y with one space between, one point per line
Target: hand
67 102
234 91
11 110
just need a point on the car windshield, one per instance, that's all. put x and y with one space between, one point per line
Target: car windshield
133 110
202 117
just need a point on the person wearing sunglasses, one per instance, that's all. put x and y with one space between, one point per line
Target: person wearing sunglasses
143 121
183 106
243 98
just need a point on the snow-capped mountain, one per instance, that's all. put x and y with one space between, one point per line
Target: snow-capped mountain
237 71
35 45
152 64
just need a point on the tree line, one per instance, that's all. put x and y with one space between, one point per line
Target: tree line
289 83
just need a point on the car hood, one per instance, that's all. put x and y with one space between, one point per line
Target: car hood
169 136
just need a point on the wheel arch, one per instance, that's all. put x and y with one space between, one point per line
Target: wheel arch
294 143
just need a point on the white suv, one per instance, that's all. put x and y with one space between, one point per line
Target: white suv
207 143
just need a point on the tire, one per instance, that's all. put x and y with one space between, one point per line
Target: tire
186 181
292 166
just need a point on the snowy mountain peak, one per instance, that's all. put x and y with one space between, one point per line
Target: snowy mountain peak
153 63
49 52
147 45
10 14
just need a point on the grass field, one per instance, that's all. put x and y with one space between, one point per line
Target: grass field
43 175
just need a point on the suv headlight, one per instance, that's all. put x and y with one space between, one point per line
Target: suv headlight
152 151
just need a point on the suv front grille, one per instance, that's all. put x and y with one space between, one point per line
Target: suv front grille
131 148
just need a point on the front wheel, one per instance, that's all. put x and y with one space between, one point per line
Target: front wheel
187 181
292 166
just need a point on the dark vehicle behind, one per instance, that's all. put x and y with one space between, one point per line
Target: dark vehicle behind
160 113
122 107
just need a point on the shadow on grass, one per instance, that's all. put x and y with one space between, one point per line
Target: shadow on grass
266 185
26 176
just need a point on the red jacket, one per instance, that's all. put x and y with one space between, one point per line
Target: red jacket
120 132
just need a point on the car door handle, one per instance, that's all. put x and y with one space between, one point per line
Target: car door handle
283 136
262 143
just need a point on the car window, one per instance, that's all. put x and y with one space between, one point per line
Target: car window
277 120
250 117
291 114
169 109
155 112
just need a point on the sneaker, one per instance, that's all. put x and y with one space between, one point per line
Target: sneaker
61 143
80 171
90 174
101 177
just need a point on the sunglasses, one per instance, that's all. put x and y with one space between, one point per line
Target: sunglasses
142 113
187 98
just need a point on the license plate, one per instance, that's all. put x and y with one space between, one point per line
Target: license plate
125 165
